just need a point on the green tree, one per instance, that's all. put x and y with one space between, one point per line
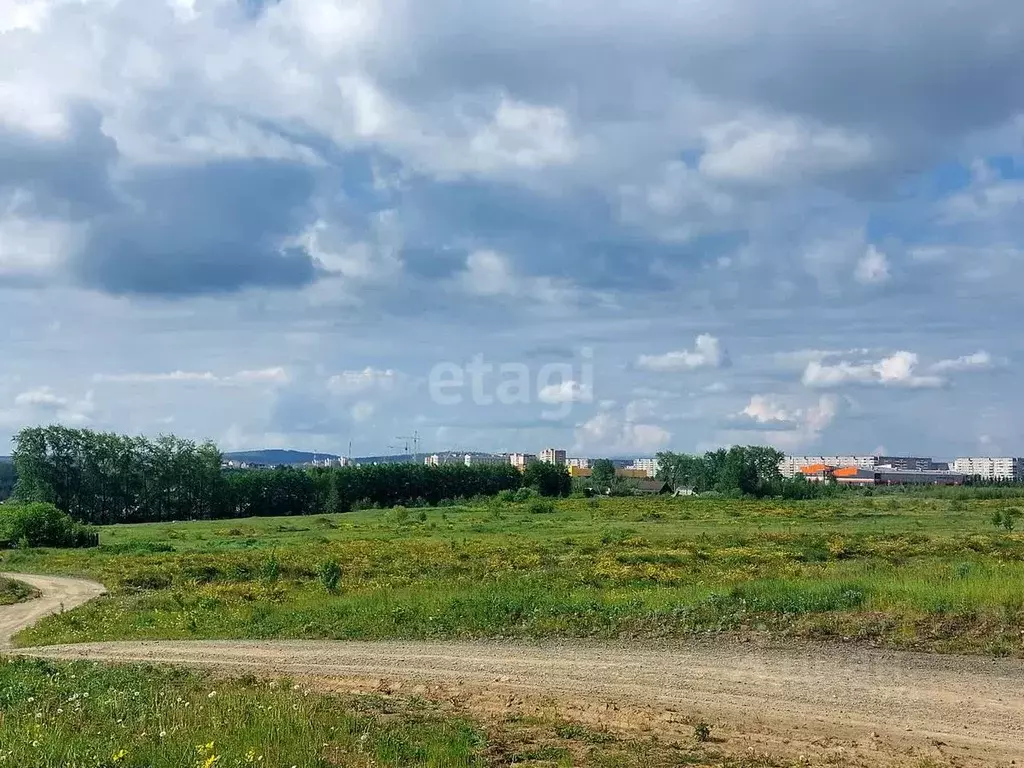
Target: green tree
602 473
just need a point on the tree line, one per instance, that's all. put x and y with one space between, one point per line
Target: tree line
103 478
751 470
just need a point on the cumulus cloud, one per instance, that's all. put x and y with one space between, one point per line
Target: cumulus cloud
43 405
896 370
612 433
707 353
766 409
768 151
568 391
784 426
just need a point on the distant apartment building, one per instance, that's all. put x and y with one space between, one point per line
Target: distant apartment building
553 456
578 463
437 459
990 468
648 466
521 460
483 460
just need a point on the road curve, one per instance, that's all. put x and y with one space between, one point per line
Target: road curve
56 594
851 705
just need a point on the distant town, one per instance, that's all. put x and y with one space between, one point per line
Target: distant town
849 469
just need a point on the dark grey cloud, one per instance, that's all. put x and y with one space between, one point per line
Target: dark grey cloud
209 229
63 176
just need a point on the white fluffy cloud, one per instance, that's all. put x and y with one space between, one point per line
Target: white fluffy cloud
787 427
567 391
766 409
899 369
43 405
766 151
707 353
611 433
896 370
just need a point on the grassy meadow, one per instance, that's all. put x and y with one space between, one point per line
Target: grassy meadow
79 714
908 571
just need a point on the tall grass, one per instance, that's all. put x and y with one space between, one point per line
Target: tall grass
89 715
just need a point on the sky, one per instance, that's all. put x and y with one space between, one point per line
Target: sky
615 228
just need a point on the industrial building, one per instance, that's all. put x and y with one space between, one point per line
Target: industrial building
791 466
819 473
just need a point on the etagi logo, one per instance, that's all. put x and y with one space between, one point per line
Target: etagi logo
556 385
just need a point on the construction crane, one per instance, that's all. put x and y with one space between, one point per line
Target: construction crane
415 439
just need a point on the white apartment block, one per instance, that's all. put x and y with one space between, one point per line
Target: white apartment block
791 465
578 463
553 456
481 461
989 468
520 460
650 466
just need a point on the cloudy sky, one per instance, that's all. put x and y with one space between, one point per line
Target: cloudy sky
614 227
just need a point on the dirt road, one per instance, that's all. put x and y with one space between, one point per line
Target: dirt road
851 706
56 595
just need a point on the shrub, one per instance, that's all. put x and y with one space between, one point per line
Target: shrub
271 569
43 525
541 507
330 575
399 515
702 732
524 494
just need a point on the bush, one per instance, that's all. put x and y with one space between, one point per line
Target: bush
330 575
43 525
541 507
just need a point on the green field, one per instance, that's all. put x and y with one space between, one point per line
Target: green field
78 714
901 571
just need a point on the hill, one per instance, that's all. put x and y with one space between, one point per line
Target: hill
276 457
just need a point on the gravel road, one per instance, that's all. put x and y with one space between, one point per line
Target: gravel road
845 704
56 595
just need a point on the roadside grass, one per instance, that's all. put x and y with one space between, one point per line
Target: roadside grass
12 592
67 715
898 570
